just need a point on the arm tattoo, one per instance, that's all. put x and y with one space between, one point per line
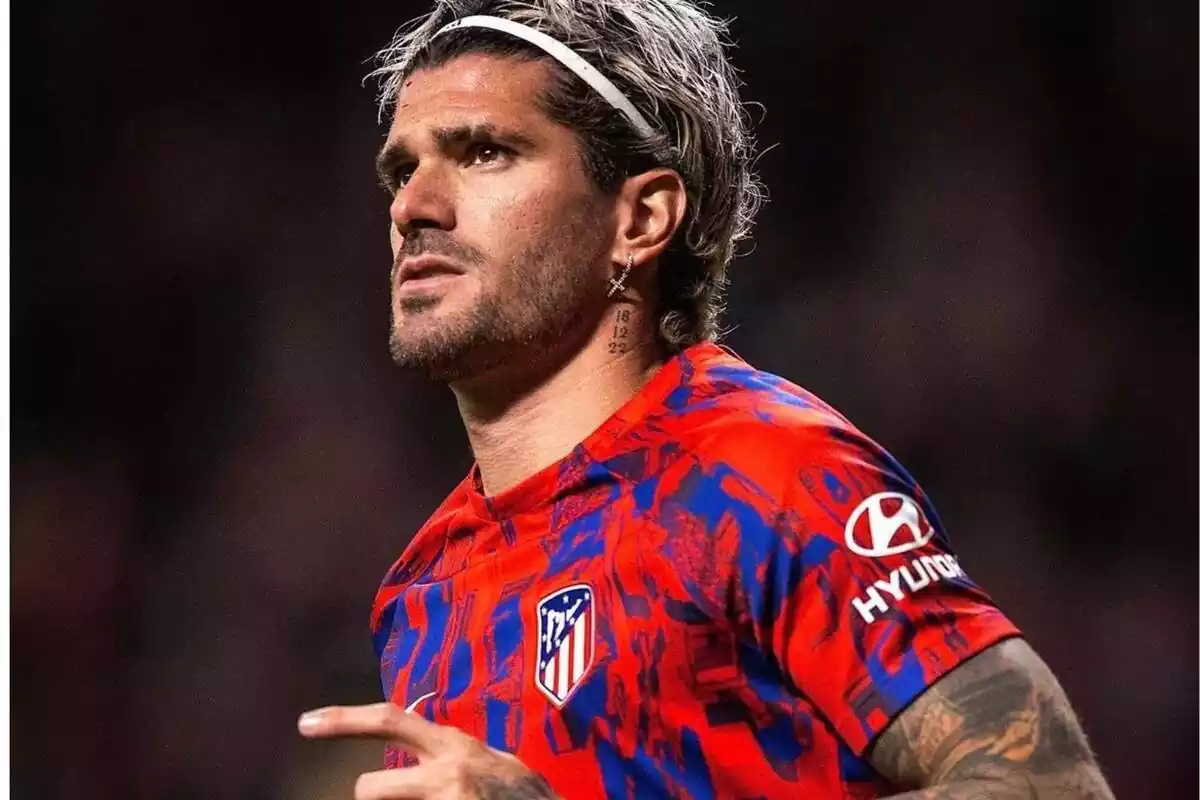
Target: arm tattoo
524 787
998 726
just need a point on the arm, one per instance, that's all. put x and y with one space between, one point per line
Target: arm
998 726
854 591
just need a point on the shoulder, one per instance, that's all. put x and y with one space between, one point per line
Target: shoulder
755 426
750 438
420 555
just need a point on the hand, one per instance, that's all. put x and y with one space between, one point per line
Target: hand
453 766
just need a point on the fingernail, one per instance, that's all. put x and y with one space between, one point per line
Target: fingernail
309 721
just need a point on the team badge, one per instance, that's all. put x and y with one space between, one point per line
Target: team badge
566 641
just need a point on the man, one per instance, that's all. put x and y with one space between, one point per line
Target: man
668 574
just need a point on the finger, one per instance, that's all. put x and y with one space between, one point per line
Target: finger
377 721
413 783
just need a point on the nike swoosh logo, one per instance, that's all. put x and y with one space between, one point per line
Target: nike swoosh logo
413 705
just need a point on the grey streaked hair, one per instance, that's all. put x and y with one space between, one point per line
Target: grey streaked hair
668 57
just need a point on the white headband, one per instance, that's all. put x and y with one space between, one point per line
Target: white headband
565 56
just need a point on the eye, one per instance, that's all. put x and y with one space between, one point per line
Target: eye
401 174
485 153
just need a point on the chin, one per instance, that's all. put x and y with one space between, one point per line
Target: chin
435 366
458 340
438 348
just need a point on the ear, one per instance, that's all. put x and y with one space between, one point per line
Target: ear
651 209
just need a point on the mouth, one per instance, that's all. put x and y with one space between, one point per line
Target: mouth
424 273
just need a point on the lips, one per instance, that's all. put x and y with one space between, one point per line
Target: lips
420 267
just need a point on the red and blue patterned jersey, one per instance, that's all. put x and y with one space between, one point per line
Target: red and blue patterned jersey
727 590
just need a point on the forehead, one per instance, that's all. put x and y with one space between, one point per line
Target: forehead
475 87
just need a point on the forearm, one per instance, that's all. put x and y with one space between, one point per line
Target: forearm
1082 783
522 787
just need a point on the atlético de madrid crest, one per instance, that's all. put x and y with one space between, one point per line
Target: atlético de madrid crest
566 627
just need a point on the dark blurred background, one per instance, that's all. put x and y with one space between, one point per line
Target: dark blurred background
981 247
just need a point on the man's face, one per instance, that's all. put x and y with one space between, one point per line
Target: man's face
501 242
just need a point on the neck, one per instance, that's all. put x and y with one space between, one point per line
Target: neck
518 426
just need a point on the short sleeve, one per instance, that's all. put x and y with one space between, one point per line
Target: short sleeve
853 588
820 547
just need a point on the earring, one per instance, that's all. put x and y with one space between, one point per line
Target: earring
618 284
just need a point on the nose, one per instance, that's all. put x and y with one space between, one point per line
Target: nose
423 202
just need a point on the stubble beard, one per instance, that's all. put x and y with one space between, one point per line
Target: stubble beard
530 309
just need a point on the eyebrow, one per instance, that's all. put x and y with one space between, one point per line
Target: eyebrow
396 152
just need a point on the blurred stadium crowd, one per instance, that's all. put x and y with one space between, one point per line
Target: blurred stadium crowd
980 246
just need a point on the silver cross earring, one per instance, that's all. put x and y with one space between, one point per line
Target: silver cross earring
618 284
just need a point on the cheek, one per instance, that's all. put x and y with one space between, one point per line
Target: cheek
527 216
508 216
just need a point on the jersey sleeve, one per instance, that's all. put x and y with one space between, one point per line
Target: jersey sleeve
874 605
823 549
